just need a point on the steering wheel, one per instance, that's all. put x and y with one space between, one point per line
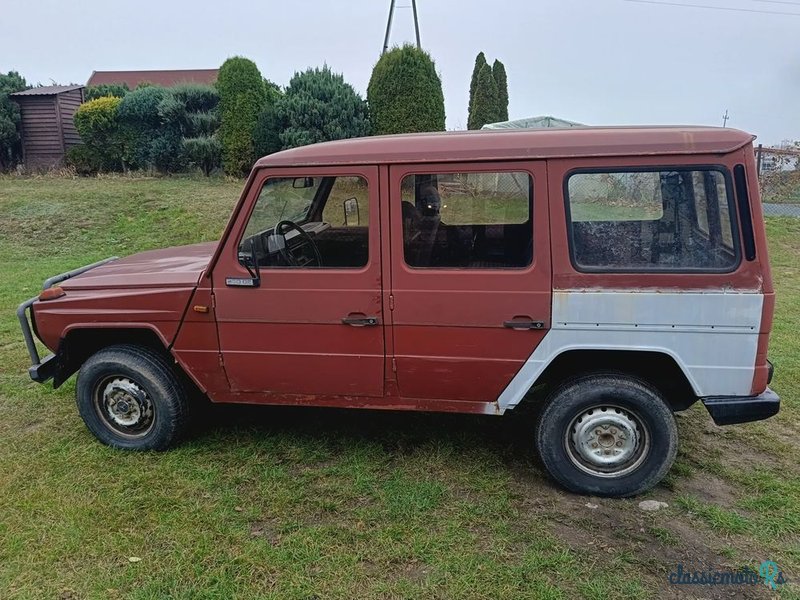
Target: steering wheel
280 231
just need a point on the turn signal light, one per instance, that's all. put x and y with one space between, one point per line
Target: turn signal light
52 293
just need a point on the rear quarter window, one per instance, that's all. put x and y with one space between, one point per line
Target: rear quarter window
654 219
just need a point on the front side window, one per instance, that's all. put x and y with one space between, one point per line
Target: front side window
467 220
309 222
643 220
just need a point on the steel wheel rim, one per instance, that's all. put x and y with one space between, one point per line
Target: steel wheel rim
607 441
124 406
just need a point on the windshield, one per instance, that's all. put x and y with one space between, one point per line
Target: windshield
283 199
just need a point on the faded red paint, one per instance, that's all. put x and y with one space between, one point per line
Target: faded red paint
449 338
440 343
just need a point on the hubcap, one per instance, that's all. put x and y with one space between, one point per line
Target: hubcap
607 441
124 406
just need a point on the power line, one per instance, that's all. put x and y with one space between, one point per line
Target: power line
779 2
705 6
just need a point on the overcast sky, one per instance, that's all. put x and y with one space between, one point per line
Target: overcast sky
593 61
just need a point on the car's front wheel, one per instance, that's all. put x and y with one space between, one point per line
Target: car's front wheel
130 398
607 435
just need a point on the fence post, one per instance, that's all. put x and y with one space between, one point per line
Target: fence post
758 159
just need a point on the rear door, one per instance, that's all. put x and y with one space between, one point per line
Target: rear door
471 276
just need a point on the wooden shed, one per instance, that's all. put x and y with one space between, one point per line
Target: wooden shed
47 126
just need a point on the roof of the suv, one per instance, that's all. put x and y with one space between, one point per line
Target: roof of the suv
513 145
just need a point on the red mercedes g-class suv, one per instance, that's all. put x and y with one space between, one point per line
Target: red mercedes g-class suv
609 276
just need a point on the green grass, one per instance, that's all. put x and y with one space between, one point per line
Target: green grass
719 519
311 503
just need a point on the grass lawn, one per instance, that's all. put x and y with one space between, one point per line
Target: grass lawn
312 503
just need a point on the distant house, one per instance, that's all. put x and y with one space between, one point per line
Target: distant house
47 126
164 78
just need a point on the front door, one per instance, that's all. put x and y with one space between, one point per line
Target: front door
314 324
471 276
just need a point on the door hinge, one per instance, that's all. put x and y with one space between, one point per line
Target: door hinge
394 365
391 302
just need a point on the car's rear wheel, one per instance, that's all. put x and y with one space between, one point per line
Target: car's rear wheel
130 398
606 434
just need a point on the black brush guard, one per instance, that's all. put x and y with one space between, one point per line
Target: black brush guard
42 370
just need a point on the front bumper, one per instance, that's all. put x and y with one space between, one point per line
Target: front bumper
43 369
728 410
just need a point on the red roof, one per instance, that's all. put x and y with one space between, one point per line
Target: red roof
514 144
165 78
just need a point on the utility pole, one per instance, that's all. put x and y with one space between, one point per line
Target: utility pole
725 118
389 24
388 27
416 22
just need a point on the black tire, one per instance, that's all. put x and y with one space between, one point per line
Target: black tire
572 442
140 380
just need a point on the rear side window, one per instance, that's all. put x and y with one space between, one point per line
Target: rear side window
467 220
652 220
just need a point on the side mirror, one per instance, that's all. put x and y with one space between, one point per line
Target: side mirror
303 182
248 258
351 214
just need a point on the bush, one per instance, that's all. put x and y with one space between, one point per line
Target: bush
140 108
405 93
204 152
143 128
192 108
82 159
93 92
165 152
98 124
202 123
274 91
267 134
189 111
196 97
319 106
242 96
10 120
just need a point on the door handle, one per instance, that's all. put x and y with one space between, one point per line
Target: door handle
359 320
523 323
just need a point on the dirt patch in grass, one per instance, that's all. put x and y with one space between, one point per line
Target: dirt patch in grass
269 531
708 488
609 532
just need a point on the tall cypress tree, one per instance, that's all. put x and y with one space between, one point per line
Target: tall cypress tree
500 78
480 60
242 96
405 93
484 104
